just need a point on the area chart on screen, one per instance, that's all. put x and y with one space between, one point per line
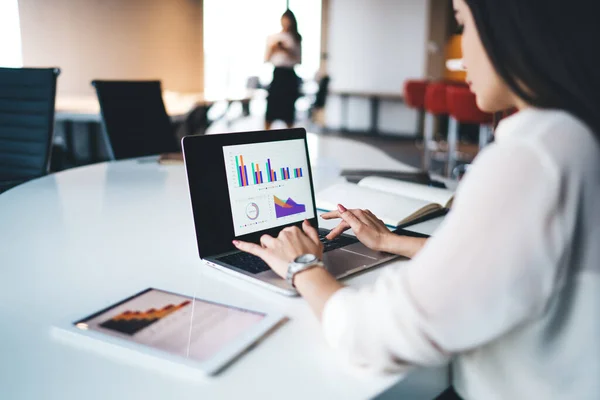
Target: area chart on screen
287 207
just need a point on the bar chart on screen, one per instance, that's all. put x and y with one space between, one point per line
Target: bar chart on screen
252 174
259 164
269 184
130 322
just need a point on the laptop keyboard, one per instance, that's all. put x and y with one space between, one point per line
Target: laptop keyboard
254 265
245 262
340 241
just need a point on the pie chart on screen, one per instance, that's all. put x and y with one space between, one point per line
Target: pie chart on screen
252 211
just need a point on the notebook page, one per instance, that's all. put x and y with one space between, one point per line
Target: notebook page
390 208
408 189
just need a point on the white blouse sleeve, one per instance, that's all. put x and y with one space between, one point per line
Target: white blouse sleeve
490 267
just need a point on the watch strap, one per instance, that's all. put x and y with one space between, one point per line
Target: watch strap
295 268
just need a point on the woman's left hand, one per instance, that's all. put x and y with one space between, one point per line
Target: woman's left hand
291 243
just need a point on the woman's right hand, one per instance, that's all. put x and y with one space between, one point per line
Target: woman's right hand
278 46
369 229
372 232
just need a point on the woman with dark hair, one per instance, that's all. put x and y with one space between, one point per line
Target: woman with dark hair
508 288
284 51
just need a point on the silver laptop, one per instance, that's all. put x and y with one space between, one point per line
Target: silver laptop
244 185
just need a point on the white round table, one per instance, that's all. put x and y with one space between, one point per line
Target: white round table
77 241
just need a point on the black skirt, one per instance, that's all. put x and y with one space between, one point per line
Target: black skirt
283 93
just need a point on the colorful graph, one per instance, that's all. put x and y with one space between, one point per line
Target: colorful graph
131 322
257 177
287 207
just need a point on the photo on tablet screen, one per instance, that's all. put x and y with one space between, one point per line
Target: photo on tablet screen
191 328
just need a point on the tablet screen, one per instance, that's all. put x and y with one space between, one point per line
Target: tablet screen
180 325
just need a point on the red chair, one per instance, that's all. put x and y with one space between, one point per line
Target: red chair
435 106
462 108
414 97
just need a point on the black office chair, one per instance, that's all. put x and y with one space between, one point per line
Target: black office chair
26 123
135 119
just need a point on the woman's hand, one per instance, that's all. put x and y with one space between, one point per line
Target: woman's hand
316 285
369 229
278 46
291 243
372 232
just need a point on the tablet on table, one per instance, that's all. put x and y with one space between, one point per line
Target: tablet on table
173 328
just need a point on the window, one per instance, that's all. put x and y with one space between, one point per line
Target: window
235 33
10 45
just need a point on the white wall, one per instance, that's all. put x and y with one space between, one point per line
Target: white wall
115 39
234 45
374 46
10 45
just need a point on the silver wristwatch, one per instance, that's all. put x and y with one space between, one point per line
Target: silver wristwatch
302 263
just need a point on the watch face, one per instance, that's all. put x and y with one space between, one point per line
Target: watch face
305 258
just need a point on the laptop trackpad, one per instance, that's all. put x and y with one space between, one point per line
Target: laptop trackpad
354 257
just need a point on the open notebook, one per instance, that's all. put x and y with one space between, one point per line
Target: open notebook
396 203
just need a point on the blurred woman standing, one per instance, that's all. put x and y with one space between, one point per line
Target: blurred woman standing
284 51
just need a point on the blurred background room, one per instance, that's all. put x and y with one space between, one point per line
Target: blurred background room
95 97
363 74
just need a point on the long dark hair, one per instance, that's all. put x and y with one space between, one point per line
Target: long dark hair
544 51
294 24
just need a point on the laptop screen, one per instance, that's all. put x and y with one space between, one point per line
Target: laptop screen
247 184
269 185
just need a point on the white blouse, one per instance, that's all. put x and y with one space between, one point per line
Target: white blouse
508 289
281 58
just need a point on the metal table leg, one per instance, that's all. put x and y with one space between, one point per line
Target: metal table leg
452 145
420 123
345 116
70 142
375 115
485 134
245 107
428 140
92 131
